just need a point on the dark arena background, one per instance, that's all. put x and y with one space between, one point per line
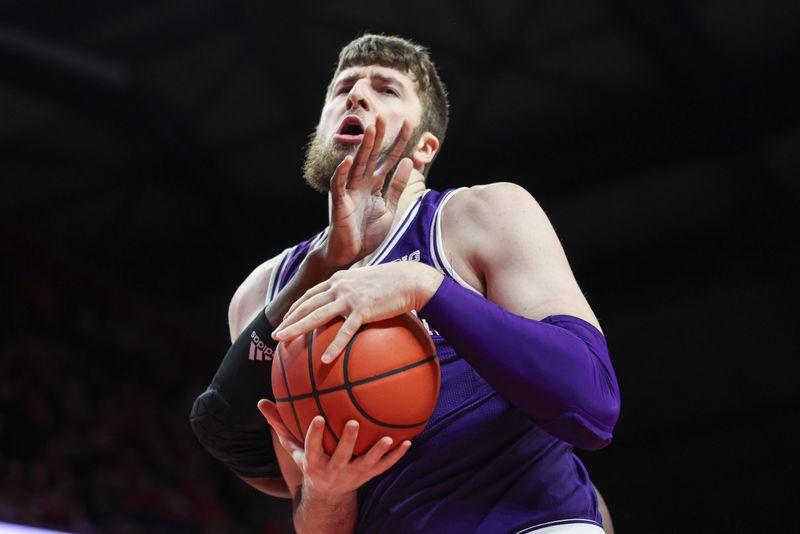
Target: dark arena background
150 156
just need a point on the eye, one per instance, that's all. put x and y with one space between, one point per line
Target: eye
389 91
343 89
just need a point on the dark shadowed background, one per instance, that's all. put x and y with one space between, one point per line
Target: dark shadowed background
150 155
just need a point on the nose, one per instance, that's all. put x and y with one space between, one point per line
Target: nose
357 97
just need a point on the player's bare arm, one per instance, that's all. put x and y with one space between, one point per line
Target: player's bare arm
500 241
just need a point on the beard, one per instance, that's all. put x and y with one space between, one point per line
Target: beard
322 159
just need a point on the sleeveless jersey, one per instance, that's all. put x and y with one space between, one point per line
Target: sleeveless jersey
481 465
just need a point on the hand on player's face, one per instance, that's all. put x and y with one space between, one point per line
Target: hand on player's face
338 473
360 217
368 167
360 296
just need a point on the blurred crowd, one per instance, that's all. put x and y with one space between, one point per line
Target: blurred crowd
96 389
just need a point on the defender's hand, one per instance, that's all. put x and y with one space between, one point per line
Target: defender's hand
360 217
360 296
338 473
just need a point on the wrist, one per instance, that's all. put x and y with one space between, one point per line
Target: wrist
313 270
327 257
320 260
327 498
324 512
427 281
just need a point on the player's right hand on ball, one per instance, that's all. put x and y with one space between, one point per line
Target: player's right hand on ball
340 472
360 216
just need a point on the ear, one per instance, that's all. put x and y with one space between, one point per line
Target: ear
426 150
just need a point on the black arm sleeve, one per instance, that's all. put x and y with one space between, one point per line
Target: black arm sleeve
225 418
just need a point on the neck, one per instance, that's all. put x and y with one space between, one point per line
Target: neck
413 190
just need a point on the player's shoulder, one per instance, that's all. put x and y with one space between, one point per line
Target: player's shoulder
250 296
491 205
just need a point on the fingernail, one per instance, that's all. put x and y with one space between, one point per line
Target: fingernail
326 358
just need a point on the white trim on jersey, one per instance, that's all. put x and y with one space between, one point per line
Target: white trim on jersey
409 215
277 272
437 245
565 526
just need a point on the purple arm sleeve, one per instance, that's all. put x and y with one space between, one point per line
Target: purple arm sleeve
557 370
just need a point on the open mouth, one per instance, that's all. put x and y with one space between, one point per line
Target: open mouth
351 128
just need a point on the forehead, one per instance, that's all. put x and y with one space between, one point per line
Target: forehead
375 71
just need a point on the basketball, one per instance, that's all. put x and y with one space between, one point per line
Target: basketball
387 379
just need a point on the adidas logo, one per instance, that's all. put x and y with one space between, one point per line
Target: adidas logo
258 349
414 256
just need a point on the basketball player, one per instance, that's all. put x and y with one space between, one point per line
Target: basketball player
526 374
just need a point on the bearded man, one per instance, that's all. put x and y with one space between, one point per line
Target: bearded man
526 374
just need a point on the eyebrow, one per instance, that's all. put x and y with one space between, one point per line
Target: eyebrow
374 76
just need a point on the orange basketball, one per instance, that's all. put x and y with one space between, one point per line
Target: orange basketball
387 379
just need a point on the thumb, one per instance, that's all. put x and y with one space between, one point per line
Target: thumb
286 439
398 183
270 413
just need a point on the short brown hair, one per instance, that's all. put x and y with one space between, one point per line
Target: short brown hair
404 55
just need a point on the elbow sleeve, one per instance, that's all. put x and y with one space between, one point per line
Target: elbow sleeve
558 370
225 418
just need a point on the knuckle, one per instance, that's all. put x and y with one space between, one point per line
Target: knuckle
345 330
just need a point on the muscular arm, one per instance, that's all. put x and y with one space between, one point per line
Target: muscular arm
499 240
534 337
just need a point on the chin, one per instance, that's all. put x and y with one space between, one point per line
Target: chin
344 148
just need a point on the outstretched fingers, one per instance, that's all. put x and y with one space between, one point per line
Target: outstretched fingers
338 183
358 175
397 149
372 162
398 183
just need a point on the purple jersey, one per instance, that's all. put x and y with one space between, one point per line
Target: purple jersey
480 465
